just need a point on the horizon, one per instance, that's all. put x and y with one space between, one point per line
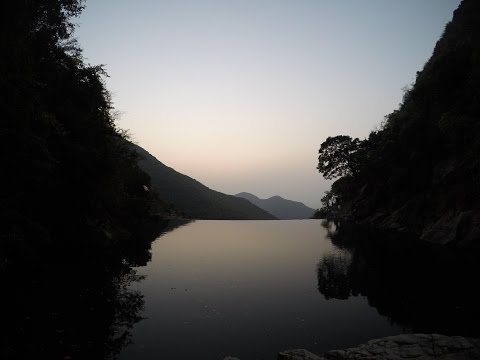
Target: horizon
240 95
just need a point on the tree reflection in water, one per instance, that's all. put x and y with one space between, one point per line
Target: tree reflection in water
81 307
423 287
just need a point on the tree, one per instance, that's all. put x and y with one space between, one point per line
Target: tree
69 174
339 156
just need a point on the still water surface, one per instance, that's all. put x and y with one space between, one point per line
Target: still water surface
249 289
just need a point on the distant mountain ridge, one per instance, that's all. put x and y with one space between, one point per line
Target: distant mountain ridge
279 207
194 199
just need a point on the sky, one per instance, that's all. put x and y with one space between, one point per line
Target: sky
239 94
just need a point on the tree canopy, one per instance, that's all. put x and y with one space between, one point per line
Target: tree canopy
67 170
420 172
338 156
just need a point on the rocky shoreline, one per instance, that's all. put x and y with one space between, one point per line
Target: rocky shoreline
399 347
405 346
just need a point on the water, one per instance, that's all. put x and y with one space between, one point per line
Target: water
248 289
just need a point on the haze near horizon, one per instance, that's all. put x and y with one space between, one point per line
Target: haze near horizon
240 94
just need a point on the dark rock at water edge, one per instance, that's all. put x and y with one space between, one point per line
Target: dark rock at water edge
406 346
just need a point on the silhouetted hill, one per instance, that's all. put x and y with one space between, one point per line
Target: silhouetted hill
68 179
281 208
421 172
193 198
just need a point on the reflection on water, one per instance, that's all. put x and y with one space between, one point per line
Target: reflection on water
426 288
242 288
246 289
80 307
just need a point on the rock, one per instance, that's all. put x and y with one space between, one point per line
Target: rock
468 231
400 347
443 231
298 354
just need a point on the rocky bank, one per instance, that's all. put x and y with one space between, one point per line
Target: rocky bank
405 346
399 347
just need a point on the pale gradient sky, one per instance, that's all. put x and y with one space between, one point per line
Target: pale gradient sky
239 94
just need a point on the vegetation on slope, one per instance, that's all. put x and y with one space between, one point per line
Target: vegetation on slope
420 172
194 199
68 175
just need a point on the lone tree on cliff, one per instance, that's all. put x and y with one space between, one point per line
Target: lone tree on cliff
339 156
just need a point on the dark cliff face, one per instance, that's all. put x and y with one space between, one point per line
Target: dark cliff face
421 172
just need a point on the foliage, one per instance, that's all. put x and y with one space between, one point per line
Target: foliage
421 168
68 174
338 156
329 202
336 201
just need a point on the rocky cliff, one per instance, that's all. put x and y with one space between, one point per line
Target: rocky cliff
420 173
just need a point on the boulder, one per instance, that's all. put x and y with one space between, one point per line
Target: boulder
404 346
298 354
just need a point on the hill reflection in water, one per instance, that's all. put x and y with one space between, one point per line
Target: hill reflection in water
424 287
248 289
80 307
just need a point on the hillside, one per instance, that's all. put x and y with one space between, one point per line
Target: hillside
68 178
194 199
420 173
281 208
